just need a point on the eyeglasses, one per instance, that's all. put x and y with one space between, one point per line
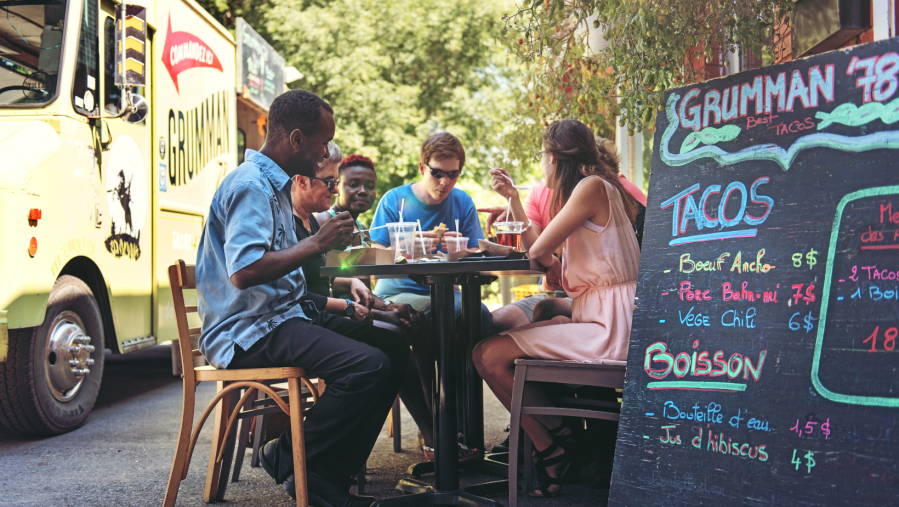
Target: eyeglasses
330 182
539 155
437 173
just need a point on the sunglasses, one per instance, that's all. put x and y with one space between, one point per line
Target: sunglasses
330 182
539 155
437 173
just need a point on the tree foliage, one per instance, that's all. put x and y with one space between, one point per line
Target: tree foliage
396 72
226 12
652 45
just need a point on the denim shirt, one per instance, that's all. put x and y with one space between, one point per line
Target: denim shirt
250 214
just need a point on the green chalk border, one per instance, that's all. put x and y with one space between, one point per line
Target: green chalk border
875 401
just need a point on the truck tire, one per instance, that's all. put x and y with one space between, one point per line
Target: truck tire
51 378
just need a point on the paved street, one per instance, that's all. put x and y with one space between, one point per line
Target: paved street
122 455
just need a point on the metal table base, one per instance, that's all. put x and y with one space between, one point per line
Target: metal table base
449 355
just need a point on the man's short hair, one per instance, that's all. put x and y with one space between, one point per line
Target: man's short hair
296 109
442 146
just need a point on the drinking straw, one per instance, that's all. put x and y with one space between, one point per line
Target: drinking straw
509 211
421 237
457 226
402 203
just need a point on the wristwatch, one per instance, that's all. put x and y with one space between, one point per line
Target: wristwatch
350 308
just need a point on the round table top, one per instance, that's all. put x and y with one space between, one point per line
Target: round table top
493 267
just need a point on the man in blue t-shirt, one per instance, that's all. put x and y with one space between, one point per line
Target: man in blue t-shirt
433 201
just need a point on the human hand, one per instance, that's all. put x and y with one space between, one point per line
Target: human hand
547 287
412 318
361 294
494 214
395 318
554 273
427 247
448 234
501 183
406 311
336 233
362 314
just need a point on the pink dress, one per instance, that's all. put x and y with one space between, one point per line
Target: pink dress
599 273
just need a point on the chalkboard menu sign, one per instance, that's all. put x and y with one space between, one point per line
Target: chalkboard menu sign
260 69
763 366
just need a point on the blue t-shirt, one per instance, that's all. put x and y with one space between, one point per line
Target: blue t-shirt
457 206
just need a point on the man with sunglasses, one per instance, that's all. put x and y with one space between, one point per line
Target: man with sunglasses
433 200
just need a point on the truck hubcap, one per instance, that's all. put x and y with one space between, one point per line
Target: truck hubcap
67 356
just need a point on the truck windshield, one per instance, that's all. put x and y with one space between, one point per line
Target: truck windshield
30 42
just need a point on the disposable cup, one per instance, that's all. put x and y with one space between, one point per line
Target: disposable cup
402 237
509 234
513 227
425 246
455 243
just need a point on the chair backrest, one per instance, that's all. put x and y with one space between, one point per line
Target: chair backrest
182 276
603 373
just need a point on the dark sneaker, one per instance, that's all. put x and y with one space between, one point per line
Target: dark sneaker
268 457
503 447
324 494
465 454
321 492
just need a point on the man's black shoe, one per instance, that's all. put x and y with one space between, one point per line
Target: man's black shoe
268 457
324 494
503 447
321 492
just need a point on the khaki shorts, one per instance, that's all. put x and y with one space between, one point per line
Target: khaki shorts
527 304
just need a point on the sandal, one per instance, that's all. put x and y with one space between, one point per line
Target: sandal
571 459
465 454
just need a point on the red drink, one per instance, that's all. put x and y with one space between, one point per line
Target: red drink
512 239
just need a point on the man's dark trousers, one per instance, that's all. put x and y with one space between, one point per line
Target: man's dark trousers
363 367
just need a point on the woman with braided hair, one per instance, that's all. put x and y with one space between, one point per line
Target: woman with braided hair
592 227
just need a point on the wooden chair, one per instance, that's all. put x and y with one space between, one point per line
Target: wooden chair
181 277
606 373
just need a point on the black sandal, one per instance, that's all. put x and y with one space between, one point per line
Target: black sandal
571 456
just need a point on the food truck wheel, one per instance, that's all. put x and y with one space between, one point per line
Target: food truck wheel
51 378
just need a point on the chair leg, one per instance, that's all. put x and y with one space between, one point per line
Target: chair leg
221 421
229 443
213 471
395 423
514 428
527 453
242 439
187 419
360 479
258 435
298 441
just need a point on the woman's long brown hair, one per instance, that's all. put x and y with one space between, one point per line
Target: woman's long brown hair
578 155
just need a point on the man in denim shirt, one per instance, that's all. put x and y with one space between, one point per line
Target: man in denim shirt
251 298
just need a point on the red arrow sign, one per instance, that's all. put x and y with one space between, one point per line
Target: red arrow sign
183 50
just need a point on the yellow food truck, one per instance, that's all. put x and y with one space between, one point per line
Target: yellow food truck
116 125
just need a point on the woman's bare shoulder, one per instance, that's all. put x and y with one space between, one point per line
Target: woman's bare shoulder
590 187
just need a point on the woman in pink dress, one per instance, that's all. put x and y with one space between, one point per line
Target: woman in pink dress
593 226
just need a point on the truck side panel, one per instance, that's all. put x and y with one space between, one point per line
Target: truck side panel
195 136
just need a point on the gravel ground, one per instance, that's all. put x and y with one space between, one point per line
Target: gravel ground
123 454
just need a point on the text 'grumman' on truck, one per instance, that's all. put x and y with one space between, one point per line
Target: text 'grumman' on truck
117 122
